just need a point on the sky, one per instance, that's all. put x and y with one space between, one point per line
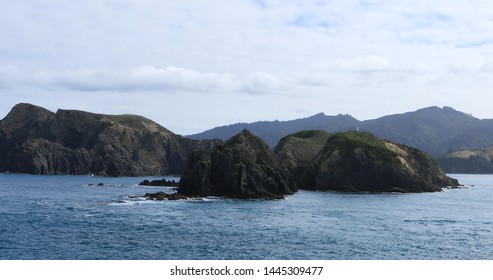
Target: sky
193 65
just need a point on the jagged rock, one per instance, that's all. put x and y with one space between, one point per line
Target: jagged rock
164 196
358 161
244 167
35 140
159 183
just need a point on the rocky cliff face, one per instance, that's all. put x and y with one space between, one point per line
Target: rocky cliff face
357 161
35 140
244 167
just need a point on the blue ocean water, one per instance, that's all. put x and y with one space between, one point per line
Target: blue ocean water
65 217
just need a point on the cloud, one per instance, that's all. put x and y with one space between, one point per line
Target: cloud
150 78
290 56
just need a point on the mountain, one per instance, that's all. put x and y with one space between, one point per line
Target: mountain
435 130
468 161
35 140
272 131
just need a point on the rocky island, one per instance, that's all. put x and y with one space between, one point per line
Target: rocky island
244 167
358 161
349 162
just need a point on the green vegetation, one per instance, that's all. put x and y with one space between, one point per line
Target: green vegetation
352 140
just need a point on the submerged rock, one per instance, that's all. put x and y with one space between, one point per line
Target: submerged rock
244 167
358 161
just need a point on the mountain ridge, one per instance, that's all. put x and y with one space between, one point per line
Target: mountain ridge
436 130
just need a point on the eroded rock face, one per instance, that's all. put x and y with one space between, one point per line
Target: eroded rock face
35 140
358 161
244 167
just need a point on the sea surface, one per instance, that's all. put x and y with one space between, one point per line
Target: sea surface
70 217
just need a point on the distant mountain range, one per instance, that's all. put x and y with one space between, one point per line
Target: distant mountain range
435 130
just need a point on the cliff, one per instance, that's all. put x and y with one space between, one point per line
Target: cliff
244 167
35 140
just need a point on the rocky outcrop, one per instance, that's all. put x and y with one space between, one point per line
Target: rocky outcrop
35 140
159 183
244 167
164 196
296 151
357 161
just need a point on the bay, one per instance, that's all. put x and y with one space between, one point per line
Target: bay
71 217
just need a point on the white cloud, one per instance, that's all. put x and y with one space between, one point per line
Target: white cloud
289 56
150 78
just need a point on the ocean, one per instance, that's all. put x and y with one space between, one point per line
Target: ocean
71 217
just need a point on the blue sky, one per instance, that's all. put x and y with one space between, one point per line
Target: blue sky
193 65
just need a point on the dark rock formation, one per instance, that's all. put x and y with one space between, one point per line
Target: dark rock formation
159 183
357 161
244 167
164 196
35 140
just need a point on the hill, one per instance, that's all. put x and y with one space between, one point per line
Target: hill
468 161
359 161
35 140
